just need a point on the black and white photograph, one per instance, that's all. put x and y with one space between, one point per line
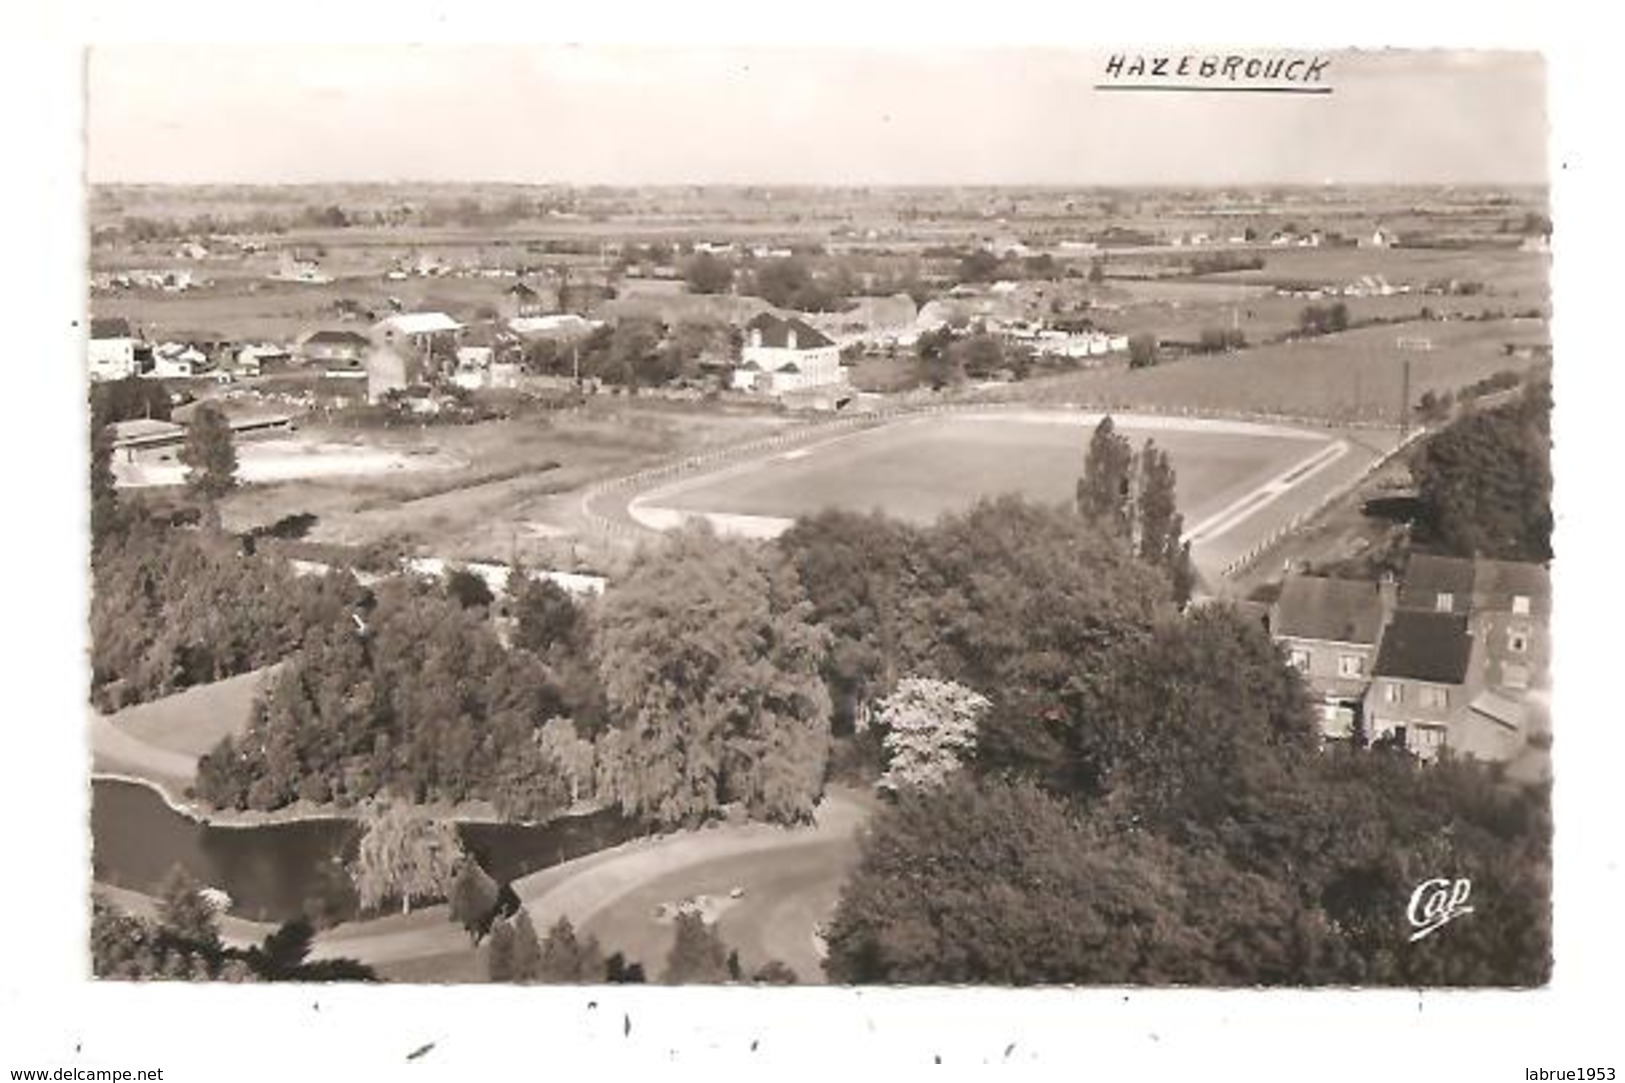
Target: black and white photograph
598 516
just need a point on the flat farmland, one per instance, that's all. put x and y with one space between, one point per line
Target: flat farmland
1356 376
253 307
1512 277
1236 481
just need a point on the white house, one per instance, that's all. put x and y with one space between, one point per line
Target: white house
786 355
177 361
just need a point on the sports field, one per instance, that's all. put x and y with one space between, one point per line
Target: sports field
1234 478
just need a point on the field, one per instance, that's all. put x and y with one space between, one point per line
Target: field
1235 480
1356 376
497 485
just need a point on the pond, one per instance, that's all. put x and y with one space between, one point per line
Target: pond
274 872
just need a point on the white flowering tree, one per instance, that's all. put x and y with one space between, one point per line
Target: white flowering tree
930 727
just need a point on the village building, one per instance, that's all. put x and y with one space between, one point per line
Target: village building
1330 630
781 355
177 361
1426 677
427 336
389 370
114 351
336 351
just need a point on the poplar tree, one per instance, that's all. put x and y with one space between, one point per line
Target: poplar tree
1105 491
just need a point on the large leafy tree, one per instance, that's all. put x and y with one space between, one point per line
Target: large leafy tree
711 669
858 571
210 457
1012 593
403 856
1485 482
1018 893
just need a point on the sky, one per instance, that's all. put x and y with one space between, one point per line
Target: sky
651 115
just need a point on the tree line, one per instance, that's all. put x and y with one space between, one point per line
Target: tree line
183 942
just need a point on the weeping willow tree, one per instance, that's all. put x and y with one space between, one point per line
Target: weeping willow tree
403 855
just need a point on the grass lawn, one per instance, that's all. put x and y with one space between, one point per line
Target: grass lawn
1353 376
786 894
160 741
917 470
192 722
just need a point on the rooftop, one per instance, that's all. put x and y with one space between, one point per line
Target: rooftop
1499 581
1339 610
1425 646
776 332
1427 576
336 338
421 323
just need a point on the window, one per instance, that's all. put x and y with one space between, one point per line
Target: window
1520 604
1393 692
1515 676
1425 741
1298 658
1444 602
1517 640
1350 665
1435 698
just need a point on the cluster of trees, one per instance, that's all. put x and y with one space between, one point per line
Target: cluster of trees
979 598
790 282
409 692
636 352
698 956
183 943
1219 262
172 608
694 684
1484 483
707 273
947 356
1324 319
1143 350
